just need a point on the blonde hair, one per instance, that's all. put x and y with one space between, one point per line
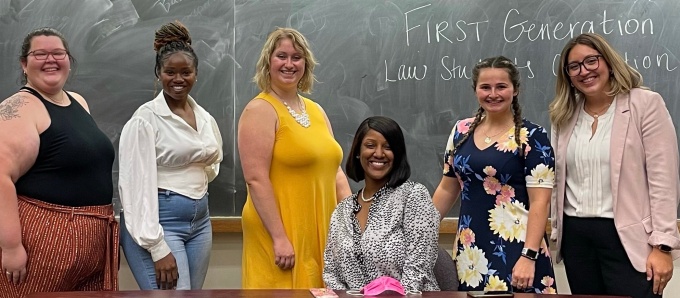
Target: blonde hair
622 77
262 77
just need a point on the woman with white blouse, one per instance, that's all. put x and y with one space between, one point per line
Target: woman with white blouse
390 227
614 207
169 150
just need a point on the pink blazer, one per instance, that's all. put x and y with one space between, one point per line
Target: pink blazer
644 176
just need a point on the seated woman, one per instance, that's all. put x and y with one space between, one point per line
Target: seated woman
390 227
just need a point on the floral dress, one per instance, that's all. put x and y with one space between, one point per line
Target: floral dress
495 206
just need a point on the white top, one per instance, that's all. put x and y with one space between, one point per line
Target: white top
588 181
158 149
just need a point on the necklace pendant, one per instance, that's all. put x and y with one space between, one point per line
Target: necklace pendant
487 140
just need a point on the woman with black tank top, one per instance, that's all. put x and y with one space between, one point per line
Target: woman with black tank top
57 226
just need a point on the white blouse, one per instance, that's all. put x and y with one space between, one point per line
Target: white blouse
588 181
158 149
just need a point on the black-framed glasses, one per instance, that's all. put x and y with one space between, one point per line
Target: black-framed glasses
590 63
42 54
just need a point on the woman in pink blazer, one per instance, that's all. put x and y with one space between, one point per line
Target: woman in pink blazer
614 207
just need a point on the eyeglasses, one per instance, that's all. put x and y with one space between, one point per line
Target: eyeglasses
589 63
42 54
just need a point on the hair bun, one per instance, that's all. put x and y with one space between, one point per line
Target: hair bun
171 32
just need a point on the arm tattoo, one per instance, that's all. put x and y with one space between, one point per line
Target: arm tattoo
9 109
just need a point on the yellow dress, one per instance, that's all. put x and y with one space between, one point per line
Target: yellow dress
303 170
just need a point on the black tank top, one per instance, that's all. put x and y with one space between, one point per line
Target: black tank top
74 162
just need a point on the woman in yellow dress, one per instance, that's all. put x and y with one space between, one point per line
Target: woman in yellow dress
291 165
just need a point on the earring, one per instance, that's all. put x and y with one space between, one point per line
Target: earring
357 157
572 85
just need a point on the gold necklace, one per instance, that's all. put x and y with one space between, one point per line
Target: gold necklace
59 102
598 113
596 116
488 138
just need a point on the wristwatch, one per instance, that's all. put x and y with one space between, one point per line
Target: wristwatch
529 254
664 248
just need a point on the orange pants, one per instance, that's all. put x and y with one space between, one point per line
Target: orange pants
69 249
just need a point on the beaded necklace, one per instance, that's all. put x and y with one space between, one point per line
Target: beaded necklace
365 199
302 118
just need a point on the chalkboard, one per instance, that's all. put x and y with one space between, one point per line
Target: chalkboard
409 60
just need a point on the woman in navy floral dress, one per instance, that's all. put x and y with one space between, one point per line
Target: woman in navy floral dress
505 189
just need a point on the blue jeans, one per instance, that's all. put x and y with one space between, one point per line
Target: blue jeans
187 230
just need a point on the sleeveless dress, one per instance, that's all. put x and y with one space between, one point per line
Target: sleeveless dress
495 206
304 165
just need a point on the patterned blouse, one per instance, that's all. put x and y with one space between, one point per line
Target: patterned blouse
400 240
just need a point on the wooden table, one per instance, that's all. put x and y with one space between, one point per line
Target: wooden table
266 293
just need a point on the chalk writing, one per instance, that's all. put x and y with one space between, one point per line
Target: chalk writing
166 4
659 61
408 43
452 70
440 32
303 19
198 11
514 30
406 73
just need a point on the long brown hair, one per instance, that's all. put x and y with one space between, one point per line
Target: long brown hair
506 64
622 77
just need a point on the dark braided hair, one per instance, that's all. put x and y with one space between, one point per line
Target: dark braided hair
172 38
517 113
506 64
478 119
